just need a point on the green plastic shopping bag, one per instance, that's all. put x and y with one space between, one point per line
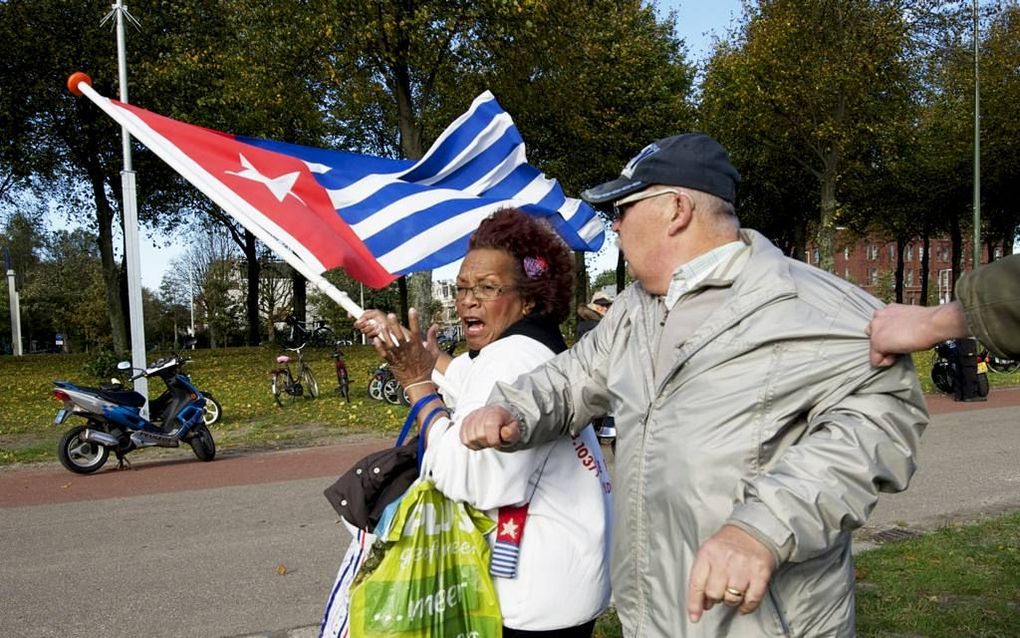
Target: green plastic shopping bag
433 580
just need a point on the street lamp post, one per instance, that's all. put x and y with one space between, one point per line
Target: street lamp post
977 142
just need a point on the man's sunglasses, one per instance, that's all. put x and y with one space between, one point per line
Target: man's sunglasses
621 205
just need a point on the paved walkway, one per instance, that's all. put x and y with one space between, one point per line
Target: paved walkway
247 546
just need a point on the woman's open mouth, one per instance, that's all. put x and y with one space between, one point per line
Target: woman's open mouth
473 327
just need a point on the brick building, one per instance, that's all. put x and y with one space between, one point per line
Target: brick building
870 263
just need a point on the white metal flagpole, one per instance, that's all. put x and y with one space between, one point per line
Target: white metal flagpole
131 246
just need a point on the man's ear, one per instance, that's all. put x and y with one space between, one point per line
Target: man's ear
683 213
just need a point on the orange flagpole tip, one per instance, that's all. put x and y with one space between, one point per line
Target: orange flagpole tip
77 78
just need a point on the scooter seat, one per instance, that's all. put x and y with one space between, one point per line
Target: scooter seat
129 398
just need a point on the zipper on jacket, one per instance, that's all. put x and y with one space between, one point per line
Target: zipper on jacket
642 546
780 615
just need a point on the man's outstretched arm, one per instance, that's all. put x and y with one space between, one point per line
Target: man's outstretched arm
899 329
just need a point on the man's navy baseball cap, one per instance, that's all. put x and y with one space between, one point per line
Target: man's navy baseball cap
694 160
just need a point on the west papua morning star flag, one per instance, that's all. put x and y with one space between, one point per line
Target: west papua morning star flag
376 218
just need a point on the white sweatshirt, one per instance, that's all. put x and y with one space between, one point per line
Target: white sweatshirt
563 573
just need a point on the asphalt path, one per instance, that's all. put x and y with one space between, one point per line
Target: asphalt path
247 545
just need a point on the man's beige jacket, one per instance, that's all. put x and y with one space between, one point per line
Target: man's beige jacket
771 418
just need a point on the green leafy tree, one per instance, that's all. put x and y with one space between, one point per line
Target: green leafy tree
811 80
1000 122
589 85
247 68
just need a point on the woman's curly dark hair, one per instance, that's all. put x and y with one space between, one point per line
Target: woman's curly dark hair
549 260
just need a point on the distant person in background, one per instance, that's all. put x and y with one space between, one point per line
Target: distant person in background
601 302
588 315
987 307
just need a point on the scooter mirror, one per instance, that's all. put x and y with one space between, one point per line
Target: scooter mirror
124 365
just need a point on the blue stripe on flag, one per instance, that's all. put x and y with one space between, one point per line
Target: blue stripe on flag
452 146
483 163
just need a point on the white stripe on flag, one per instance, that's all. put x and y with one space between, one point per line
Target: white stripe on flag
398 210
437 237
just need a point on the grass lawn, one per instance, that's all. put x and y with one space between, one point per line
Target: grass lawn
239 378
957 581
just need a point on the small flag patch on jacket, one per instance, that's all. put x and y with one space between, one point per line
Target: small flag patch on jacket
507 548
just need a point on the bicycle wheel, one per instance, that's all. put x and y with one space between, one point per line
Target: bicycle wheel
309 382
282 390
343 384
323 337
392 392
375 387
942 375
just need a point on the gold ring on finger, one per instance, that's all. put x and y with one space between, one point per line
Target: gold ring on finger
734 592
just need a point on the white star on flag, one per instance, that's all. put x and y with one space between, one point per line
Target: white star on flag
509 529
278 186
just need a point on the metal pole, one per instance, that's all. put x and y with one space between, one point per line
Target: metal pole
977 143
12 293
364 339
131 247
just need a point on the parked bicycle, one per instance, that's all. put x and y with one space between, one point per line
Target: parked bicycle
1001 366
379 378
315 333
343 383
383 386
286 387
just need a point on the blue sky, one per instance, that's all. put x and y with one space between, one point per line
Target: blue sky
697 23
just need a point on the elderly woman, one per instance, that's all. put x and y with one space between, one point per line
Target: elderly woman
551 502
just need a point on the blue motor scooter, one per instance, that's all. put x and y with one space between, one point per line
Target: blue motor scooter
114 422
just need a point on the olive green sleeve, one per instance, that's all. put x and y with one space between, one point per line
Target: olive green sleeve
990 297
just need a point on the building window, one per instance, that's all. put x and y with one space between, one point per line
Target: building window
816 257
942 253
920 253
908 277
908 252
846 252
872 252
846 273
892 252
872 276
998 252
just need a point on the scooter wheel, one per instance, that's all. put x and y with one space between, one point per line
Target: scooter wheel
213 410
81 457
202 443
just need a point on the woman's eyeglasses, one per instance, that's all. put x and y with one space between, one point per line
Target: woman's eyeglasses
482 292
